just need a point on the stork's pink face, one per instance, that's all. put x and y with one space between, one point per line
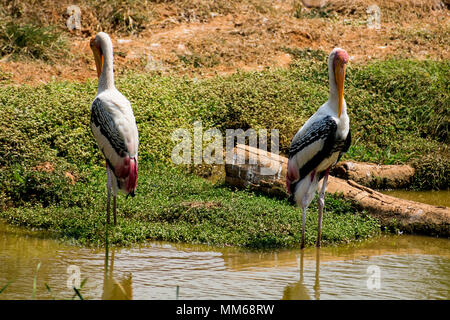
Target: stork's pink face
341 57
339 63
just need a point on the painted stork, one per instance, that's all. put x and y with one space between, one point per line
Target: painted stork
319 144
113 126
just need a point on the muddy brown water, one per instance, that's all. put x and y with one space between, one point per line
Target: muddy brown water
388 267
437 198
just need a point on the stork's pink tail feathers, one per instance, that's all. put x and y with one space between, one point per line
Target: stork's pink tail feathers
291 174
131 182
128 174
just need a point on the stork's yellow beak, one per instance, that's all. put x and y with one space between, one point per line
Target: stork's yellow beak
339 75
98 56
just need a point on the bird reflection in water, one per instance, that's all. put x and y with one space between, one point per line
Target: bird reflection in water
114 289
317 281
298 290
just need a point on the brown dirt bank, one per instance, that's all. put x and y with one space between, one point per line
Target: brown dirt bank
204 38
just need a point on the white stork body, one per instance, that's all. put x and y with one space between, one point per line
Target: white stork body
113 126
319 144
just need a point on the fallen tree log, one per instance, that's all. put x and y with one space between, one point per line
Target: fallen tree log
264 171
375 176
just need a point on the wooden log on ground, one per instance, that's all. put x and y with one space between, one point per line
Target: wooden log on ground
266 172
375 176
258 170
408 216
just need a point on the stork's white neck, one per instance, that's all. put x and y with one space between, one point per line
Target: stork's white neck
333 99
106 80
332 80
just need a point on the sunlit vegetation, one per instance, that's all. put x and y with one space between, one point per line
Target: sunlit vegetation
52 175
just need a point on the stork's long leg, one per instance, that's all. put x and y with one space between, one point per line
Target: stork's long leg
321 203
114 209
108 200
302 245
108 203
305 203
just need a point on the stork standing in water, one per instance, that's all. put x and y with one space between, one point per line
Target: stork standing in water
113 126
319 144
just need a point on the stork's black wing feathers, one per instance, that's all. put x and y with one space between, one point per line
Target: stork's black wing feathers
101 118
345 145
324 129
